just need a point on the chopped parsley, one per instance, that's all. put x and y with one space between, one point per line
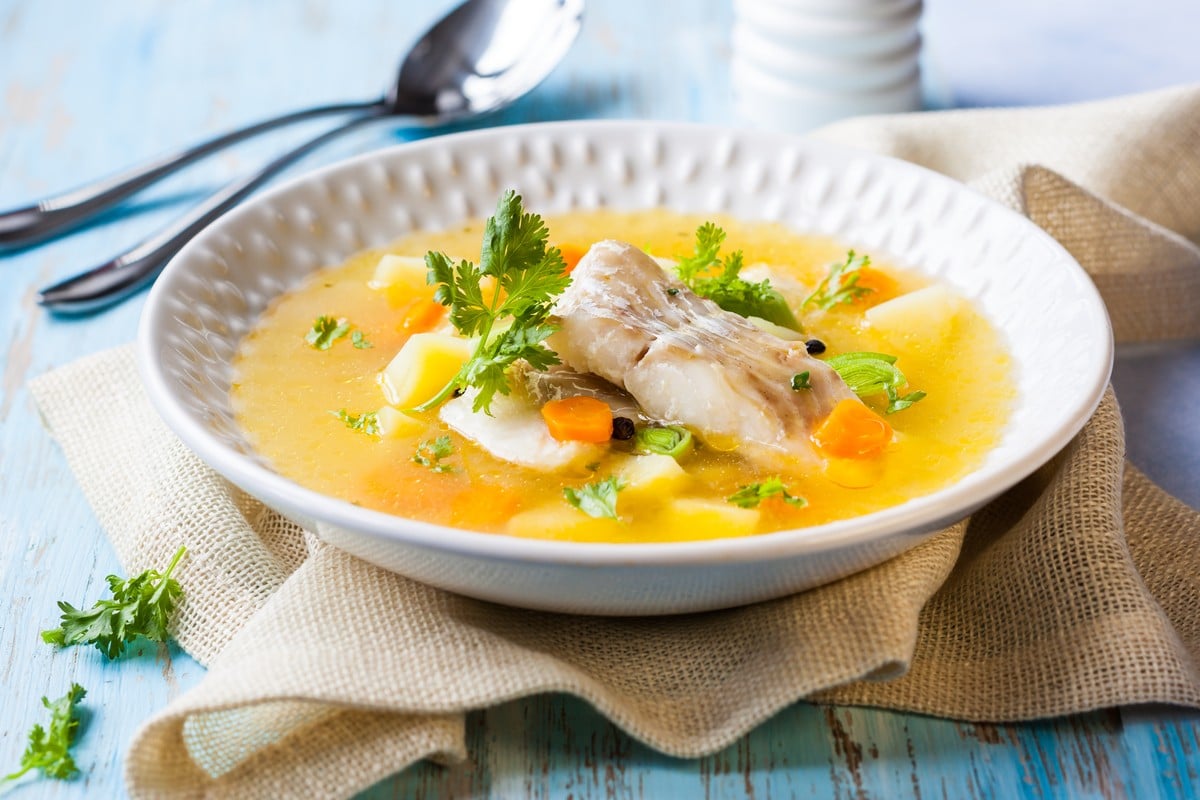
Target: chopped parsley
870 373
48 749
430 453
360 341
800 381
597 499
528 276
139 606
325 331
840 284
726 288
751 495
366 422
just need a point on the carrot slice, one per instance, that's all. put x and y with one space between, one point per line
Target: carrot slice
571 254
421 316
852 431
883 287
578 419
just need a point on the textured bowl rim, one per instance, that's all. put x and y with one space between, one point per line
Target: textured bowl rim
919 514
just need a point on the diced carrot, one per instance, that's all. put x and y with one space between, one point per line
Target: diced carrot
578 419
571 254
852 431
486 507
883 287
421 316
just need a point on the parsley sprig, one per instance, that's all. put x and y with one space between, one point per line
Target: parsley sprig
48 749
869 373
139 606
751 495
528 276
327 330
840 284
597 499
726 288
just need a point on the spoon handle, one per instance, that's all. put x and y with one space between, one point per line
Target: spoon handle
122 276
21 227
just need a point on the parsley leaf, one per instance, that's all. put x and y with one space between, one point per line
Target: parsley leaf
840 285
800 381
726 288
430 452
869 373
366 422
325 331
751 495
528 276
597 499
139 606
359 340
48 749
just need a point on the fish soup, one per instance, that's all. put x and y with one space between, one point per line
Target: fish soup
674 390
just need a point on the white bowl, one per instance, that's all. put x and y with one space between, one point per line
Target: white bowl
842 8
768 101
214 290
823 72
850 36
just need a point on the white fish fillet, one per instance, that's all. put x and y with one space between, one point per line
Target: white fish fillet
515 432
687 361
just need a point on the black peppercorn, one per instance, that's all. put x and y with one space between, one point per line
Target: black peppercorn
623 428
815 347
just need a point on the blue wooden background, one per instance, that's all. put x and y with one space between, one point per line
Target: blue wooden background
86 88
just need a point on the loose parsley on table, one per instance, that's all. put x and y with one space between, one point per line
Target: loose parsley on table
597 499
366 422
869 373
430 453
139 606
840 284
726 288
48 749
751 495
528 276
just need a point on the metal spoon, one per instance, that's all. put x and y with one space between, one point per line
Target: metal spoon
481 56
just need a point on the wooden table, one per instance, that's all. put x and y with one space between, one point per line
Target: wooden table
89 87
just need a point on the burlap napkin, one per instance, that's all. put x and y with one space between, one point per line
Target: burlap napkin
1078 589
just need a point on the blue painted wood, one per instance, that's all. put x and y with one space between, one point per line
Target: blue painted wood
86 88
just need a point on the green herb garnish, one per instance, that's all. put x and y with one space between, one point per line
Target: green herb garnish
726 288
325 331
800 381
139 606
430 453
366 422
48 749
751 495
840 284
672 440
528 276
870 373
359 340
597 499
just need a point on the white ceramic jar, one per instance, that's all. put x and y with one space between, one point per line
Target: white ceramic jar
798 64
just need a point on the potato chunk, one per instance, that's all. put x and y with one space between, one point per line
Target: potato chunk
927 314
564 522
395 423
402 275
425 364
710 519
652 474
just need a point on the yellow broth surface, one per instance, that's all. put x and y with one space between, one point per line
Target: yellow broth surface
286 394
